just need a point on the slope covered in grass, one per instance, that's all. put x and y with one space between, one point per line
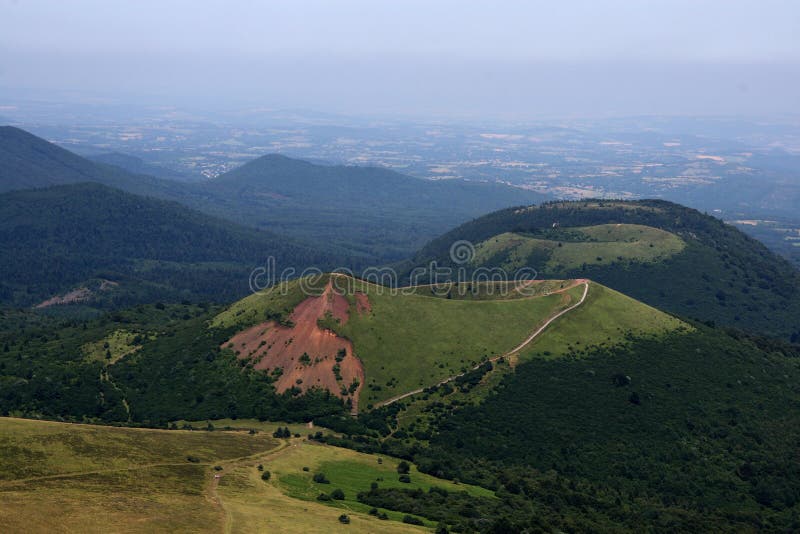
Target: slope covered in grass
606 319
352 473
65 477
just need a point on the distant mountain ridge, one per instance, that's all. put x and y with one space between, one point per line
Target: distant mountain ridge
376 213
388 211
28 161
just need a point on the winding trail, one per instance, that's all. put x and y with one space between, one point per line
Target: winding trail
516 349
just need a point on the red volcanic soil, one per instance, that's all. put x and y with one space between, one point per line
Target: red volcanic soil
271 346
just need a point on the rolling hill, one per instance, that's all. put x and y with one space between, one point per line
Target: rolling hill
666 255
370 212
101 246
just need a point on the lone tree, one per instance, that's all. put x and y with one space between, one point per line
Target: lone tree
403 468
344 518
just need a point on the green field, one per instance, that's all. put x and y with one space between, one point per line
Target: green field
572 248
351 472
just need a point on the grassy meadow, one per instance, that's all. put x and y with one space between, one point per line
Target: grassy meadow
606 318
58 477
412 341
575 247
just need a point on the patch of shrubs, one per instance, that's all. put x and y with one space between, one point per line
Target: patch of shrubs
320 478
411 520
379 515
282 433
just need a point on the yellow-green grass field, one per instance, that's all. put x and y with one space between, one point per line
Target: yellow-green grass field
251 424
606 244
60 477
63 477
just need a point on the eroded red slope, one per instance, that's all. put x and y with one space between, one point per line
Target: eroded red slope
307 354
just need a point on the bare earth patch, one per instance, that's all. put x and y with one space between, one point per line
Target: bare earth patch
307 354
76 295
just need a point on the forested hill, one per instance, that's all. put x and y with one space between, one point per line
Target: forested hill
57 237
375 213
715 273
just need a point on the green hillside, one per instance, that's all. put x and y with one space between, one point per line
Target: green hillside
114 368
57 239
412 338
694 432
671 257
145 365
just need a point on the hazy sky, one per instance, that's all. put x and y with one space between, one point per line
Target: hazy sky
408 56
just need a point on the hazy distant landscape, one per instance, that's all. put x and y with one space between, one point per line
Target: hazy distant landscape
432 266
686 160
